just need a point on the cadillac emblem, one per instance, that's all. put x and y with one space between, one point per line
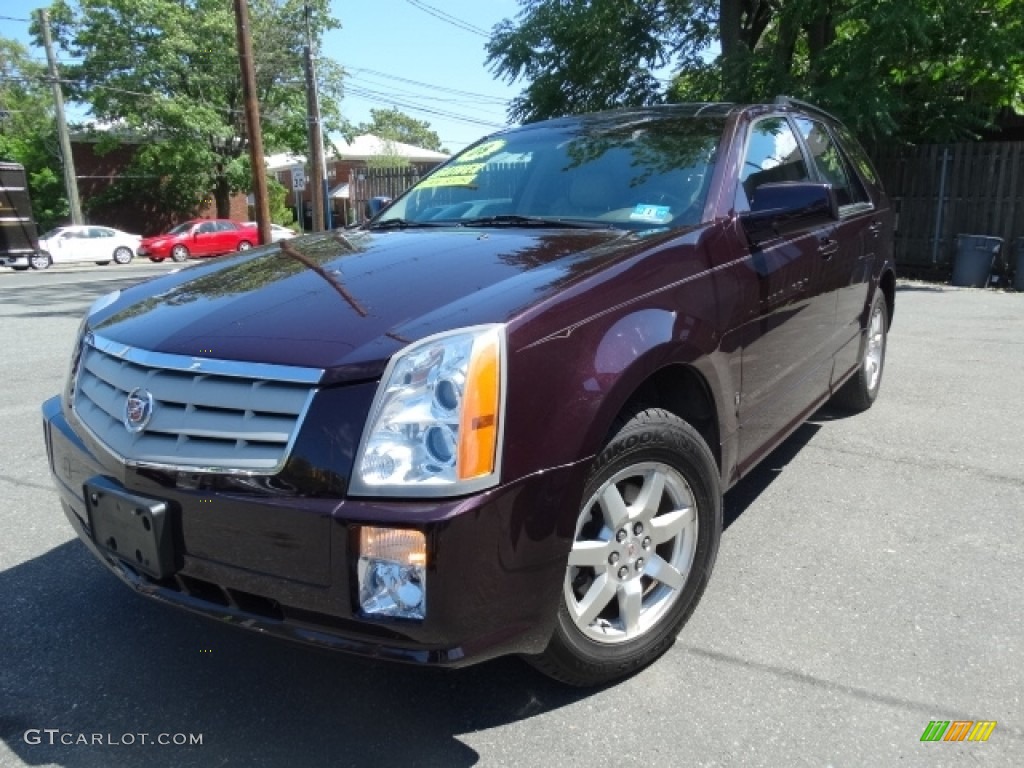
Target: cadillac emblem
138 409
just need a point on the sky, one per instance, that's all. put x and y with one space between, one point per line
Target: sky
397 53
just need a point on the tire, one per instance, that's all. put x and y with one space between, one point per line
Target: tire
102 263
40 260
860 391
123 255
179 253
19 268
245 245
156 259
639 563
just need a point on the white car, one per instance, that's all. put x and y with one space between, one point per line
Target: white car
277 232
85 242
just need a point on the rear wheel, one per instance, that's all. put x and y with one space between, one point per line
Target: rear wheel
123 255
860 391
179 253
40 260
245 245
645 542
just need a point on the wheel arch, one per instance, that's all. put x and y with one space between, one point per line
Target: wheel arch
681 388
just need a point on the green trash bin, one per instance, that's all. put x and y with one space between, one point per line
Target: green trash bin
1018 267
975 260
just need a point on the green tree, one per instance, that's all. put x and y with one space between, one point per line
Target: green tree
395 125
919 70
28 133
167 71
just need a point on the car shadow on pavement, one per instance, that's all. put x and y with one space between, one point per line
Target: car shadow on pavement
742 495
83 656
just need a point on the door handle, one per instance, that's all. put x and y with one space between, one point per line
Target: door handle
875 228
827 247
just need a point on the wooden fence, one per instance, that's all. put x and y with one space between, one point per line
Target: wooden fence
367 183
940 191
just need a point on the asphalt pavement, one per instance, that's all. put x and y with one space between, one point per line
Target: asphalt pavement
870 580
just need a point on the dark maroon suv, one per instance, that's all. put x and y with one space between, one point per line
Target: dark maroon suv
500 417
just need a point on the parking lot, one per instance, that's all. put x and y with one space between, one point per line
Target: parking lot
870 580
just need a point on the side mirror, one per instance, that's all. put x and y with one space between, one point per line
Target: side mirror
789 207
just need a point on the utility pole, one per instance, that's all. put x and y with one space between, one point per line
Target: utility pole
317 165
70 179
252 121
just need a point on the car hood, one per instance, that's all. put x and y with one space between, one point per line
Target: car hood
346 301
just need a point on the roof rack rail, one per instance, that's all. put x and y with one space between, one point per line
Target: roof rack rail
789 101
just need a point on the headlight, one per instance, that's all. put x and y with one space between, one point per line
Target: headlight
435 425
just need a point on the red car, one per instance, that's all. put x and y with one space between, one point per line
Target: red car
199 237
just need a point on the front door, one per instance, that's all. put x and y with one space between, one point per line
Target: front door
786 357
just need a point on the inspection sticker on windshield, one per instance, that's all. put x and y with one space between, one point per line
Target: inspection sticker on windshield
655 213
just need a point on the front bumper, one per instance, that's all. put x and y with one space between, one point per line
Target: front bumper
286 565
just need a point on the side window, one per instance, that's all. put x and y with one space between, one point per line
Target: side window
100 232
207 226
773 155
226 226
857 155
829 162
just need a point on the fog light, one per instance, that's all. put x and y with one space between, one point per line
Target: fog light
392 573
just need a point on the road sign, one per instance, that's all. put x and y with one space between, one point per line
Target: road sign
298 178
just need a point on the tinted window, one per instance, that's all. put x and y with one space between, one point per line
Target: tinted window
100 232
773 155
829 162
208 226
857 155
226 226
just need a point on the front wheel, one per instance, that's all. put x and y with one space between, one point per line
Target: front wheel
860 391
40 260
644 546
179 253
123 255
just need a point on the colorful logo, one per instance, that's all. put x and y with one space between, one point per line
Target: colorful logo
138 409
958 730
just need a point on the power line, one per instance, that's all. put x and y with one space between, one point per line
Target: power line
419 84
448 19
12 18
385 98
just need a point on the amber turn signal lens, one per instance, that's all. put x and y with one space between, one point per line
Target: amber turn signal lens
478 425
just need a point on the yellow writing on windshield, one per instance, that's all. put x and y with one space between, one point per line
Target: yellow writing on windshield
457 175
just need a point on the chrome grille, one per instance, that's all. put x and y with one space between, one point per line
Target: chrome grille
207 416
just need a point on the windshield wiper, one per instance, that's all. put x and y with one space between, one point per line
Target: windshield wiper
514 220
402 224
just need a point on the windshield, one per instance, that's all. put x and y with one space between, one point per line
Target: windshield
52 233
612 173
183 227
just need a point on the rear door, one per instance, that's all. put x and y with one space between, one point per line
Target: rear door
846 272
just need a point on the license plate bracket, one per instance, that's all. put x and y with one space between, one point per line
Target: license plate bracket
135 529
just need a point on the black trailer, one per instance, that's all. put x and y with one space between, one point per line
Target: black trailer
18 240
